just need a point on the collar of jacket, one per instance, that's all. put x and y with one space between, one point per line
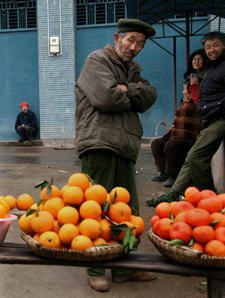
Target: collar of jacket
110 50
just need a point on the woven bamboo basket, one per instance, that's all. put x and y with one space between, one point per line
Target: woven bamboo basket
97 253
185 255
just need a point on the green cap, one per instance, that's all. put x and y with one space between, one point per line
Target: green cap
134 25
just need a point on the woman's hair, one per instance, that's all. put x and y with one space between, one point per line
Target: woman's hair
212 35
190 66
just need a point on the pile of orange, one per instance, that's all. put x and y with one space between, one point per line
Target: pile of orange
76 217
7 203
197 221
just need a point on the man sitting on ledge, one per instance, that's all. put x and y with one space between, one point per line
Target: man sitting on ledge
196 170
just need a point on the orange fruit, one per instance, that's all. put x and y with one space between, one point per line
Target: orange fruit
198 246
11 201
207 193
119 212
203 234
36 207
105 230
155 227
181 206
99 241
73 195
25 223
181 217
96 193
24 201
138 222
193 195
212 204
36 237
79 179
49 239
56 226
67 232
154 219
222 197
220 234
217 216
122 233
81 242
42 221
163 210
164 225
198 217
2 211
215 248
53 206
64 188
55 192
90 227
122 195
181 230
90 209
68 214
6 205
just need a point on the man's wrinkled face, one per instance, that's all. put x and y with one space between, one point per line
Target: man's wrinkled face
129 46
25 109
213 48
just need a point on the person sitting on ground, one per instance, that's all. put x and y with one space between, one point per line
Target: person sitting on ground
26 124
196 170
170 151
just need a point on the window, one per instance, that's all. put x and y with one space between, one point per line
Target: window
99 12
15 15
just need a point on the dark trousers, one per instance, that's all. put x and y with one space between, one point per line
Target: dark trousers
170 154
196 170
111 170
27 132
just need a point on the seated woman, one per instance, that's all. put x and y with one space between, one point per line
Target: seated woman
170 151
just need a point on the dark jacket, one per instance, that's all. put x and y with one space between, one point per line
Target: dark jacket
211 103
107 117
27 119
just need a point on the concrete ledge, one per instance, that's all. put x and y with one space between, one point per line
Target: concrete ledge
59 143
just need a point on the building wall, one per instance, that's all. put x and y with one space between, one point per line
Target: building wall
56 72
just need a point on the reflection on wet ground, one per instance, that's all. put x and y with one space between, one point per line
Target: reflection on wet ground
48 156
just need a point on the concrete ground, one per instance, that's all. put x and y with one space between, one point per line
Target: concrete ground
21 168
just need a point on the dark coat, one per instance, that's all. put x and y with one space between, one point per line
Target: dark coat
211 103
27 119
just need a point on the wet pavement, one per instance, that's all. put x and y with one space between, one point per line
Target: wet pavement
21 168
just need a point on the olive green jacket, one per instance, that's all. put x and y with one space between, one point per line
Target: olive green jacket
106 116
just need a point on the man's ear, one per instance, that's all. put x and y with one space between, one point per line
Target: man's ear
116 38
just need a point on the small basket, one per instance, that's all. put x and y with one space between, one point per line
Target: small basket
185 255
98 253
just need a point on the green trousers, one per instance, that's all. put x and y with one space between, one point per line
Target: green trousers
196 170
111 170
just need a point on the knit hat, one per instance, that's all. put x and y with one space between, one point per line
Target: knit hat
24 103
134 25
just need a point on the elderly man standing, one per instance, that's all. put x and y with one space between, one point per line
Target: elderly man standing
26 124
110 94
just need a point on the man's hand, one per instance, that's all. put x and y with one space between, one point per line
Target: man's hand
123 87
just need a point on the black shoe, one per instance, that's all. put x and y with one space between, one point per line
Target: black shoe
160 178
21 141
170 181
31 141
166 197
